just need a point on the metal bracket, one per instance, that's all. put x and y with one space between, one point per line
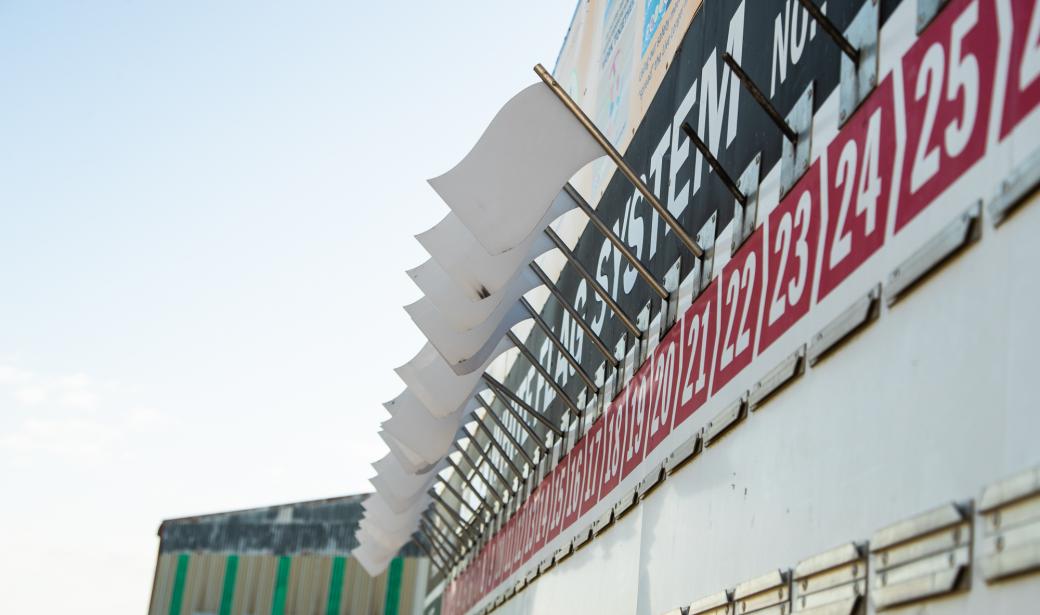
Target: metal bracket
954 236
582 538
1010 512
923 557
642 345
725 420
926 12
650 482
776 378
745 216
604 521
616 378
683 454
833 582
858 79
1021 183
625 503
699 278
563 552
670 308
653 337
859 314
795 157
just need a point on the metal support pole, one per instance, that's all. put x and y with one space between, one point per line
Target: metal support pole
501 450
622 166
533 360
611 236
451 551
418 536
596 341
458 496
760 98
713 162
828 26
476 471
454 515
594 283
559 345
437 561
498 421
617 242
472 487
487 460
500 389
452 541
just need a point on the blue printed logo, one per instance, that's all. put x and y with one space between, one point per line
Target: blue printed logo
652 16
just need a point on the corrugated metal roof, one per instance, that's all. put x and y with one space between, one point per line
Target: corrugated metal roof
317 526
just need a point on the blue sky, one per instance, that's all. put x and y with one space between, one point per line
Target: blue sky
206 209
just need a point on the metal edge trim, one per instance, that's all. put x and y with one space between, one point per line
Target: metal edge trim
954 236
769 580
844 325
920 525
1011 489
838 556
776 378
725 420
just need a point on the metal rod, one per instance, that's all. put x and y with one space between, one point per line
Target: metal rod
534 435
760 98
462 525
487 460
622 166
458 496
437 561
451 512
828 26
434 534
472 487
485 454
533 360
596 341
500 389
498 421
482 457
476 470
609 233
418 536
455 543
713 162
501 449
593 282
558 343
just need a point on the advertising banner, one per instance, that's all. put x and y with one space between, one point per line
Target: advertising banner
944 102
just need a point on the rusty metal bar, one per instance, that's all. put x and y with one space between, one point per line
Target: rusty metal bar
828 26
594 283
533 360
622 166
714 163
760 98
596 341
